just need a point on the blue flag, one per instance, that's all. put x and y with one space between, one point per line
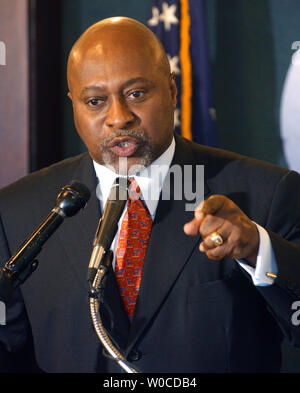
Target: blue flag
180 25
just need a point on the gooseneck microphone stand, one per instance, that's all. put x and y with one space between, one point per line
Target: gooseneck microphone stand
95 295
100 261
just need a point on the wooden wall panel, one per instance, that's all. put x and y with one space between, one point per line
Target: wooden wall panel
14 91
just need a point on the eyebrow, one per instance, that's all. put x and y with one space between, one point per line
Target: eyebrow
136 80
126 84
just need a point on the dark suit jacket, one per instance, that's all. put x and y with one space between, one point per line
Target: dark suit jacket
192 314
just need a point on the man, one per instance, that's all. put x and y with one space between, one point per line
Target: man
217 285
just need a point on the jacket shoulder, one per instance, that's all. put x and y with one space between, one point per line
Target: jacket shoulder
217 159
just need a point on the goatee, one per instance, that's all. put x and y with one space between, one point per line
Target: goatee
120 164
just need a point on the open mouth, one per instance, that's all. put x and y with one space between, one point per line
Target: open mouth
124 146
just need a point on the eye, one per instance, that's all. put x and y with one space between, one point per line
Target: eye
95 102
136 94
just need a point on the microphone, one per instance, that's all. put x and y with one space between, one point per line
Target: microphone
18 268
108 225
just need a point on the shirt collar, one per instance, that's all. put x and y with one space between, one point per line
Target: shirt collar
150 180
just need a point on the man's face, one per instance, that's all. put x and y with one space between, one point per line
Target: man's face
123 105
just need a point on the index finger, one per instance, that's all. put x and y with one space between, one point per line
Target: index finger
192 227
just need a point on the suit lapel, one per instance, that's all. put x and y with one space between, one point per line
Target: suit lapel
165 256
77 237
77 233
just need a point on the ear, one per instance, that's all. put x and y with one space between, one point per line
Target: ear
173 89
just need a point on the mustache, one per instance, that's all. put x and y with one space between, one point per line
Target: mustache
139 135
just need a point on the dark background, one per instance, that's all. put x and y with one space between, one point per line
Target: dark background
250 52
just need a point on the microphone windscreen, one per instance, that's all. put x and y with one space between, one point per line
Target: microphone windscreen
80 188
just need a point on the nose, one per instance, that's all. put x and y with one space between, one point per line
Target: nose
118 114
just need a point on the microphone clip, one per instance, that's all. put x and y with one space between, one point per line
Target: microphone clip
97 278
25 273
10 281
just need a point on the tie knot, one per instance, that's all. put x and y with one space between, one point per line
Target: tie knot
134 190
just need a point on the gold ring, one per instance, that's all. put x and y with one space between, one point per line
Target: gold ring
216 239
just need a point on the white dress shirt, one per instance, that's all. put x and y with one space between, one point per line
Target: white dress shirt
150 181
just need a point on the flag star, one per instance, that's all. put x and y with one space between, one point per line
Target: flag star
177 117
174 64
168 15
155 17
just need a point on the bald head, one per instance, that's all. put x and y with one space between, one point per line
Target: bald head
116 37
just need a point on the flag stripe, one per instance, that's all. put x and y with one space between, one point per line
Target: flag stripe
186 70
180 25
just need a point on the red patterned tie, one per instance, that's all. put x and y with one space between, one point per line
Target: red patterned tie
133 241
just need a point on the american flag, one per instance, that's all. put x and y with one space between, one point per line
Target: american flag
180 25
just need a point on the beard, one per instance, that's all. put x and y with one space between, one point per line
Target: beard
142 157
